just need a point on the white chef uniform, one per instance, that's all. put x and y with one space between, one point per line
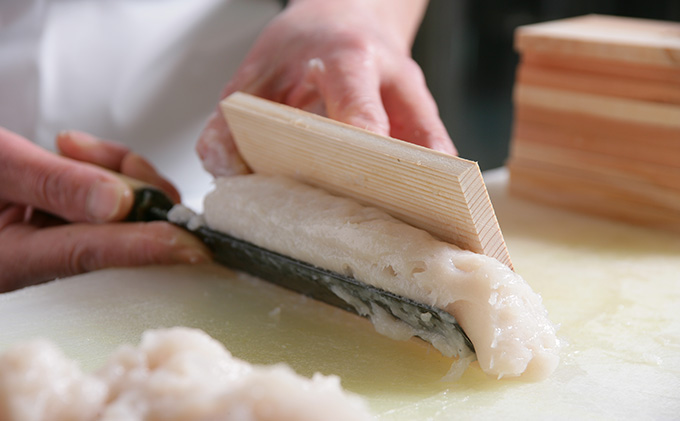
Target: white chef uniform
144 72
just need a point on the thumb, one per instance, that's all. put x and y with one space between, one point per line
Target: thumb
64 187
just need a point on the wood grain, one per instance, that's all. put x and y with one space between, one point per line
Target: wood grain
664 115
603 166
622 140
627 40
439 193
599 84
588 194
601 66
597 118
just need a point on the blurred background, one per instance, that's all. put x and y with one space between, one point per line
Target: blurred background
465 48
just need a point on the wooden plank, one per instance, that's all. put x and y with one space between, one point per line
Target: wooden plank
601 66
657 138
589 194
554 185
626 40
440 193
620 109
629 172
599 84
597 118
572 133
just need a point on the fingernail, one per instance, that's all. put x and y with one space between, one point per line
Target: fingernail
191 256
105 201
82 139
190 250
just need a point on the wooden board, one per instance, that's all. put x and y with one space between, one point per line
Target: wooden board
601 66
597 118
627 40
439 193
623 109
599 84
596 193
573 134
617 133
627 173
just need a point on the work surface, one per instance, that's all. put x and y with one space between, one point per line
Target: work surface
613 289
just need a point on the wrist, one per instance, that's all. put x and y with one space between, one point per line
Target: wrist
396 19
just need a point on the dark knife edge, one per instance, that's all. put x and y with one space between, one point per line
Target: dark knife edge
151 204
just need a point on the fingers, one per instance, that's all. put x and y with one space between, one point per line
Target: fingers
136 166
70 189
217 149
305 94
398 105
35 246
216 146
42 254
11 214
87 148
351 91
412 111
358 93
114 156
342 75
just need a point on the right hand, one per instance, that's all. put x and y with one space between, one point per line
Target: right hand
346 59
58 213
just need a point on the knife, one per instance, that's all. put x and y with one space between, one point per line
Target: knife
344 292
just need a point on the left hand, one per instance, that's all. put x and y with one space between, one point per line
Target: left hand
58 214
347 59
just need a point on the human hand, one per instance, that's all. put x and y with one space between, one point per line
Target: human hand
347 59
57 212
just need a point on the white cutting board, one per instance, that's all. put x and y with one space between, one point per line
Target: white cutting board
613 289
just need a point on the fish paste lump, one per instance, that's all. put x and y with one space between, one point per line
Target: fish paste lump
38 382
505 320
173 375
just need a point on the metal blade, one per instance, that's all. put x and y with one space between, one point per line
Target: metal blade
330 287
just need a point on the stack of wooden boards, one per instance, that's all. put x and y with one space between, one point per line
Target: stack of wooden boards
597 118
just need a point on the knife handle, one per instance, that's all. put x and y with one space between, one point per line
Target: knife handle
150 203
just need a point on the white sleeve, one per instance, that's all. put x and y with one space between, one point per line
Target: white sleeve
21 27
146 73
